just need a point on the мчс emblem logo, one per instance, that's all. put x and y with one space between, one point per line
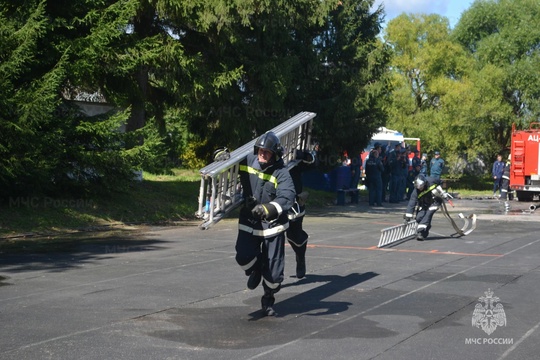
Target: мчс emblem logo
488 313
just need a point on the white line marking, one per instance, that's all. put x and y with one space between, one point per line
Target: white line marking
386 303
514 347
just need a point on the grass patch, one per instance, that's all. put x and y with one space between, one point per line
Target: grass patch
157 199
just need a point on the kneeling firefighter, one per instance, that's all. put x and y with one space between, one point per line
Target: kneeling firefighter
268 192
426 197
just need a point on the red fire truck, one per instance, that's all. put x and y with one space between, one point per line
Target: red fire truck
525 160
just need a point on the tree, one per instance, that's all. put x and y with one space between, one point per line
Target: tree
214 73
46 144
271 46
352 77
439 93
504 36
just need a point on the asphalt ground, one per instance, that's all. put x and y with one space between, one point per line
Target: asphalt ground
177 292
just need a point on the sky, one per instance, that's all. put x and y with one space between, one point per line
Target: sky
451 9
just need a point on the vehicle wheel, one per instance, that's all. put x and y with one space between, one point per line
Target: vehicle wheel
524 195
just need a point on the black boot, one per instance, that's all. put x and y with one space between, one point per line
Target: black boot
254 278
267 303
300 266
268 300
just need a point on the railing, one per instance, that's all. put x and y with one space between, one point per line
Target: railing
221 192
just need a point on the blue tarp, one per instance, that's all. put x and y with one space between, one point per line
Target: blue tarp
338 178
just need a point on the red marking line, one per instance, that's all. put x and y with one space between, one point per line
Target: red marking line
374 248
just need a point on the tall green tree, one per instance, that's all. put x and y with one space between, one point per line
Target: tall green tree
270 44
439 92
352 80
295 56
222 71
46 144
504 38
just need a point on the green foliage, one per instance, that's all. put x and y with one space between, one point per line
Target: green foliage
184 77
352 80
504 37
430 83
189 156
47 146
442 93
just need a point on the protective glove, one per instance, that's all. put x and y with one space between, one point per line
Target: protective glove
264 212
407 217
250 203
306 156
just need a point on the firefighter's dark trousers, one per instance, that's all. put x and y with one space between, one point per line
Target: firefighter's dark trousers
264 253
423 219
297 237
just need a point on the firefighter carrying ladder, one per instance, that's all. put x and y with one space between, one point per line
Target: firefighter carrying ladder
221 192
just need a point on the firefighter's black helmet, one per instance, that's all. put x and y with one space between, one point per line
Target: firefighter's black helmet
268 141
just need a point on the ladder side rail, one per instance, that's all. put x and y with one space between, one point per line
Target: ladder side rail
213 197
298 139
240 153
307 139
227 192
288 142
202 201
222 184
225 198
293 122
302 135
236 189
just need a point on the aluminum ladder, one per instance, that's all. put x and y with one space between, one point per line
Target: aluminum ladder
221 192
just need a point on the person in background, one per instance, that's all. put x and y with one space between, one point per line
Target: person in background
268 192
423 165
414 171
505 184
395 174
383 155
436 166
374 170
404 162
356 164
497 173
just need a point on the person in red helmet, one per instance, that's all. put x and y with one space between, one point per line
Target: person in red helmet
268 192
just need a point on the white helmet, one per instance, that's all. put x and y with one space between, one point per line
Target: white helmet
420 182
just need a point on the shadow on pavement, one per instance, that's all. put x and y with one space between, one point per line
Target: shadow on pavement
311 302
63 252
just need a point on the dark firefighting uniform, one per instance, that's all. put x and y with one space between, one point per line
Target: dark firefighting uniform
505 183
296 235
427 203
261 243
